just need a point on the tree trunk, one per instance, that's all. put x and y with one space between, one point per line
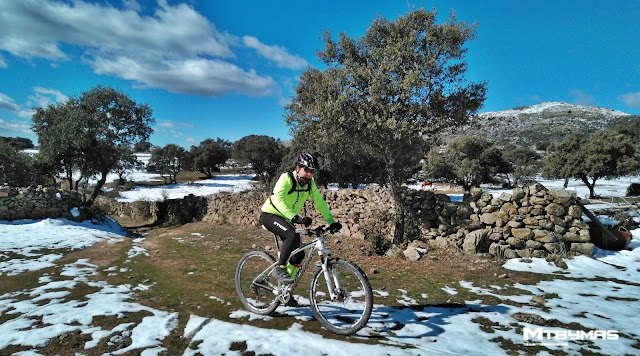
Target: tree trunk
591 187
97 188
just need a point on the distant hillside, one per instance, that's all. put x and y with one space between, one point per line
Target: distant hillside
543 122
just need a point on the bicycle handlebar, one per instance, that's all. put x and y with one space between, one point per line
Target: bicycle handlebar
318 231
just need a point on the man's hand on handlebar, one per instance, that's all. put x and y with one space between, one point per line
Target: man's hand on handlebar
302 220
335 227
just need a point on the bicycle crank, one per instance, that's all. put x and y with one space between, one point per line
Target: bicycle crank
284 294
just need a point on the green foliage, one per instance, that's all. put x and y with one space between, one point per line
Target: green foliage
375 231
168 161
209 155
542 145
263 153
142 146
19 143
19 169
467 161
88 133
605 154
379 96
526 163
128 161
14 166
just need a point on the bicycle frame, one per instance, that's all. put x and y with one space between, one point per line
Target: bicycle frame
323 252
342 302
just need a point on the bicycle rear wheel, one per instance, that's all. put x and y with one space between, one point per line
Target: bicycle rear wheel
350 310
258 295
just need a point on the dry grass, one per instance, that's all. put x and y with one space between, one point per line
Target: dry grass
191 271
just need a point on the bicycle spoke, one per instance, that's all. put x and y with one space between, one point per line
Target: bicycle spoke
351 306
256 292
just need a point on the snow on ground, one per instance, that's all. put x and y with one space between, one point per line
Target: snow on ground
229 182
600 293
553 106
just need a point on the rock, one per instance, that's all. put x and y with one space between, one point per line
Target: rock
538 253
515 224
394 250
475 242
532 244
554 209
563 196
573 237
535 188
546 224
509 253
439 243
554 247
545 236
574 211
522 233
412 254
633 190
497 249
538 200
489 219
585 248
538 300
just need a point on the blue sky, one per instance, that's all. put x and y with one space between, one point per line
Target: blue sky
226 68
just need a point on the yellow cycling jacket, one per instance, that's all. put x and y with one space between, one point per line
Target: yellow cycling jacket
287 205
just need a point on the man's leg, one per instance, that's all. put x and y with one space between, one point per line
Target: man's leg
279 226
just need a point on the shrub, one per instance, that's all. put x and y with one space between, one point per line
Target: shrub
376 232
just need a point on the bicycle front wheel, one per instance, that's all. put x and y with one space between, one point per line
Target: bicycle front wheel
350 308
257 290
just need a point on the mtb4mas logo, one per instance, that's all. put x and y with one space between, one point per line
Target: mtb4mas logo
537 335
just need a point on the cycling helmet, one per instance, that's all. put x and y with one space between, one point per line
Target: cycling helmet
307 160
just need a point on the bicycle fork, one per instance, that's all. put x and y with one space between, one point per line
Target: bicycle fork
331 277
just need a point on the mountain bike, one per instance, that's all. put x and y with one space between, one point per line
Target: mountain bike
340 293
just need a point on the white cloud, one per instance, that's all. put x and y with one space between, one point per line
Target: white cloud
581 98
206 77
632 100
20 128
41 98
131 5
36 27
167 124
44 96
8 103
276 54
176 48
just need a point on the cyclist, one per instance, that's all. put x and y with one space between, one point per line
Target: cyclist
283 207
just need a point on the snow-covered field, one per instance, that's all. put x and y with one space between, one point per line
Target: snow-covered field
600 293
230 183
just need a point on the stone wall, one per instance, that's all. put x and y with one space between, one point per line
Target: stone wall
156 213
37 203
350 207
531 222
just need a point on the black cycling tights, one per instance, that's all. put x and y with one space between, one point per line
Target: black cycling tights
290 240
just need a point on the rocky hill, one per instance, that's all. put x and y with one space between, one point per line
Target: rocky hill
543 122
